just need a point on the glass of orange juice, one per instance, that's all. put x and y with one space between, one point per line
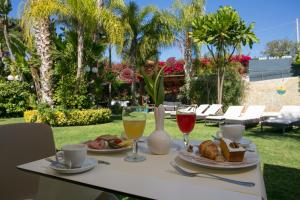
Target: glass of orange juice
134 122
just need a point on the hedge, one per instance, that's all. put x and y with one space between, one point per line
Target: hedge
69 118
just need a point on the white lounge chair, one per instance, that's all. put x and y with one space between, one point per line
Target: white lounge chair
212 110
250 117
173 113
232 111
287 118
200 110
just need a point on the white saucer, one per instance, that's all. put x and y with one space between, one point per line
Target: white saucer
88 164
244 142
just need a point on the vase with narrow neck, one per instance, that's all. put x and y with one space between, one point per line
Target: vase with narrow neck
159 141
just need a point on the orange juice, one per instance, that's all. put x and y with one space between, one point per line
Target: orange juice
134 128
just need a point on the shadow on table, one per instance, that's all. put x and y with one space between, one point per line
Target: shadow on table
274 133
282 182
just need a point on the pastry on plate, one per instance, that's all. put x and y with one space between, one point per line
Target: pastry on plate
209 149
232 151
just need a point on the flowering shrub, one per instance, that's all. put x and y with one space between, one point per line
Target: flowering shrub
71 118
244 60
172 66
126 75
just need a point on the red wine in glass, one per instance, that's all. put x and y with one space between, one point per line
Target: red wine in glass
186 119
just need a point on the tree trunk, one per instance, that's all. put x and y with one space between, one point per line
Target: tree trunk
43 46
222 86
110 67
133 63
80 47
188 60
36 80
6 37
133 86
218 84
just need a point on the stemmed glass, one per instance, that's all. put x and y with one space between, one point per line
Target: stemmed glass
134 121
186 118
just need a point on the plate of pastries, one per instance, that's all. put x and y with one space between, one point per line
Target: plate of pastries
224 154
108 144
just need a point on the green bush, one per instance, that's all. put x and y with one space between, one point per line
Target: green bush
56 117
14 98
116 109
65 95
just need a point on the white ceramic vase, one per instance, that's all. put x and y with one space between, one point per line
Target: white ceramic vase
159 141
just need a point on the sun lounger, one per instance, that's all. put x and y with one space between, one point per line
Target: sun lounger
288 117
232 111
250 117
212 110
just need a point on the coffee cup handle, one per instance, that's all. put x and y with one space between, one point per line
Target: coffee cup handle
59 157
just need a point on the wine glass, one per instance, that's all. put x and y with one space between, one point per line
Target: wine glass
186 118
134 121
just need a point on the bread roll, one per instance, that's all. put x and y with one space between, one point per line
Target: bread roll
209 149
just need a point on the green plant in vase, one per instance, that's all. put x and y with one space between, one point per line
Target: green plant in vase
154 86
159 141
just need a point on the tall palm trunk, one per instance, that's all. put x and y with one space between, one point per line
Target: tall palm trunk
133 63
188 60
43 46
80 47
110 67
6 37
36 80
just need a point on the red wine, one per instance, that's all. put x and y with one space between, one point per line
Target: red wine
186 122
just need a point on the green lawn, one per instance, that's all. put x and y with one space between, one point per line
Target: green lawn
280 153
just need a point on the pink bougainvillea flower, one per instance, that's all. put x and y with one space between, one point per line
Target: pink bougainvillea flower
126 75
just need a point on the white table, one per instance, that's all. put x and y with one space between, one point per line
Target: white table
156 179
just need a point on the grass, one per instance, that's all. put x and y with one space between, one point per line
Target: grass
280 153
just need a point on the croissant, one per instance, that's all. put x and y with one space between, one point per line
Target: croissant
208 149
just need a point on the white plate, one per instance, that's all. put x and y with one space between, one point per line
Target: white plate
88 164
250 159
109 150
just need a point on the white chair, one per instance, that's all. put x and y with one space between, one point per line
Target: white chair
212 110
287 118
201 109
232 111
250 117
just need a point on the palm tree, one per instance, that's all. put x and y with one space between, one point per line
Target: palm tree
184 13
5 8
36 22
146 30
86 16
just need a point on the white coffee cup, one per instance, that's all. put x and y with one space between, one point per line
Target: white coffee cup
233 132
73 155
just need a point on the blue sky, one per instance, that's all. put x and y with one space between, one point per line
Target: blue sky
274 19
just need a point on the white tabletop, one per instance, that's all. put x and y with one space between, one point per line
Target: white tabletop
156 179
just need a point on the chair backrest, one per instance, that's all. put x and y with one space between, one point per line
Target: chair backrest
213 109
233 111
201 109
291 112
254 111
19 144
